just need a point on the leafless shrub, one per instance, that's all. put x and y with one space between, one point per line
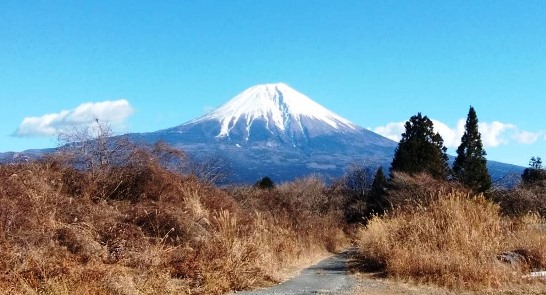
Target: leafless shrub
522 200
308 194
68 229
161 225
168 157
211 170
93 148
122 235
408 191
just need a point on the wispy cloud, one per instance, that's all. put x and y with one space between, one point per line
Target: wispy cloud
493 134
496 133
391 131
451 135
114 112
527 137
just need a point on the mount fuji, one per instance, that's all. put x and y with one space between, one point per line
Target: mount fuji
273 130
275 110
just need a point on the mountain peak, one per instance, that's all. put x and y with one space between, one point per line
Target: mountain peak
278 108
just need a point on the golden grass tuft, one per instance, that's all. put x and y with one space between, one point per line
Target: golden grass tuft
141 229
453 241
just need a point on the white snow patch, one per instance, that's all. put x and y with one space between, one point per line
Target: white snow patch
277 104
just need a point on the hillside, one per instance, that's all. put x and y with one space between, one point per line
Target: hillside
274 130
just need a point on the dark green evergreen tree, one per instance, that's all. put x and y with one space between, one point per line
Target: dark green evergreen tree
377 203
470 166
421 150
535 173
265 183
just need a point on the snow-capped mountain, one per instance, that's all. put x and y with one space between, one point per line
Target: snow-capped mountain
271 114
276 108
273 130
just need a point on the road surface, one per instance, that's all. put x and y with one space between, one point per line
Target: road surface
330 276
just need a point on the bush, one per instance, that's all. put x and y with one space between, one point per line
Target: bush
142 228
265 183
407 191
519 201
356 185
453 241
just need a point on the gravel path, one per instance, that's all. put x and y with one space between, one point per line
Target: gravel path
330 276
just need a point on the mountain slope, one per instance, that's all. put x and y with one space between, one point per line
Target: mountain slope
280 109
274 130
273 113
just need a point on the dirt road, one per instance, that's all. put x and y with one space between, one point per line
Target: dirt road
333 275
330 276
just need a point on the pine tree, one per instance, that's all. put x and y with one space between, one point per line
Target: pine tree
265 183
421 150
377 204
470 166
535 173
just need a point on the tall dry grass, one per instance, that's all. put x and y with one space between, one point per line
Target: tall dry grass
142 229
523 199
453 241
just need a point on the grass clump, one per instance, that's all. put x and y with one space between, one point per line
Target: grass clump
454 241
142 229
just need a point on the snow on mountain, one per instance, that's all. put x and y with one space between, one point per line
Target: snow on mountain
273 130
277 107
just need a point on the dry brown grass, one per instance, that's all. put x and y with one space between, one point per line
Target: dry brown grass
140 229
453 241
409 191
522 200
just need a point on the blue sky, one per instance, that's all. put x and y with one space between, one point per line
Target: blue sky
150 65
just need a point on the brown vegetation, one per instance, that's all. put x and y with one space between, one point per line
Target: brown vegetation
443 235
522 200
141 229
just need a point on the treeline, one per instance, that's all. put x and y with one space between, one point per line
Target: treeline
448 225
420 152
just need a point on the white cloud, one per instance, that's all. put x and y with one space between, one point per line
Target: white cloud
493 134
526 137
113 112
392 130
451 136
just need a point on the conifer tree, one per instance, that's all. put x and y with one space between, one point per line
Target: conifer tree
265 183
376 201
421 150
470 166
535 173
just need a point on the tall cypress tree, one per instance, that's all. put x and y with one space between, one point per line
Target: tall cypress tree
421 150
470 166
377 204
535 173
